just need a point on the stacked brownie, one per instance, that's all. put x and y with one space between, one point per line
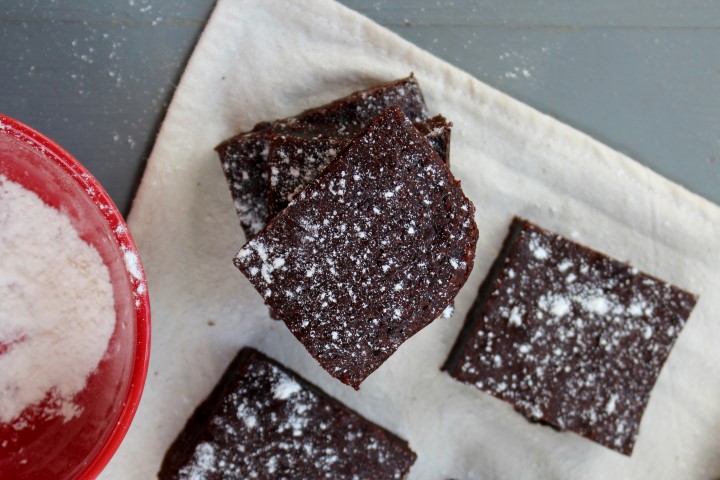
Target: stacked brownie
358 237
359 234
267 166
370 253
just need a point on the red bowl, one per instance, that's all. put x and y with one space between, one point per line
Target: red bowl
81 447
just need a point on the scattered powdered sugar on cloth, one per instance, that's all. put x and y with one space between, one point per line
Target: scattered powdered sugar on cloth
57 312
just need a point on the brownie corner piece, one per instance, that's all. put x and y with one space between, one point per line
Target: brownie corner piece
244 162
437 130
244 157
568 336
369 253
179 458
296 160
264 421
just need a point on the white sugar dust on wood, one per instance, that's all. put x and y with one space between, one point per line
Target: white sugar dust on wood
56 309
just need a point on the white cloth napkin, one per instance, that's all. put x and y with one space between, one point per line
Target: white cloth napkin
264 59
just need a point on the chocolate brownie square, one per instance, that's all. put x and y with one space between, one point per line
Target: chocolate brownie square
295 161
369 253
264 421
244 156
568 336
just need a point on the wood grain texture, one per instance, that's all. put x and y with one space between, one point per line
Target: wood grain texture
642 76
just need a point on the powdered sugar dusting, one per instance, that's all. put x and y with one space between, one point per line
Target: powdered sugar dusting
448 312
203 463
285 388
358 273
244 161
270 424
580 337
132 264
297 159
295 162
245 157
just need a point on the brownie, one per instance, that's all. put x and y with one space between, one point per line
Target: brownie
244 156
369 253
568 336
244 161
346 116
294 161
264 421
437 131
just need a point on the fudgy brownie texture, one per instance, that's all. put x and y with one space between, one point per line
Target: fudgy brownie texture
295 161
369 253
244 161
263 421
244 156
568 336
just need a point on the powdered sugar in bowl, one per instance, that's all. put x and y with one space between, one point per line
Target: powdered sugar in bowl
69 387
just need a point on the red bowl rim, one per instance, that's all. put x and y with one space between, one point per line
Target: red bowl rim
114 219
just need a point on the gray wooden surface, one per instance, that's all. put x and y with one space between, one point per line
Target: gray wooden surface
642 76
